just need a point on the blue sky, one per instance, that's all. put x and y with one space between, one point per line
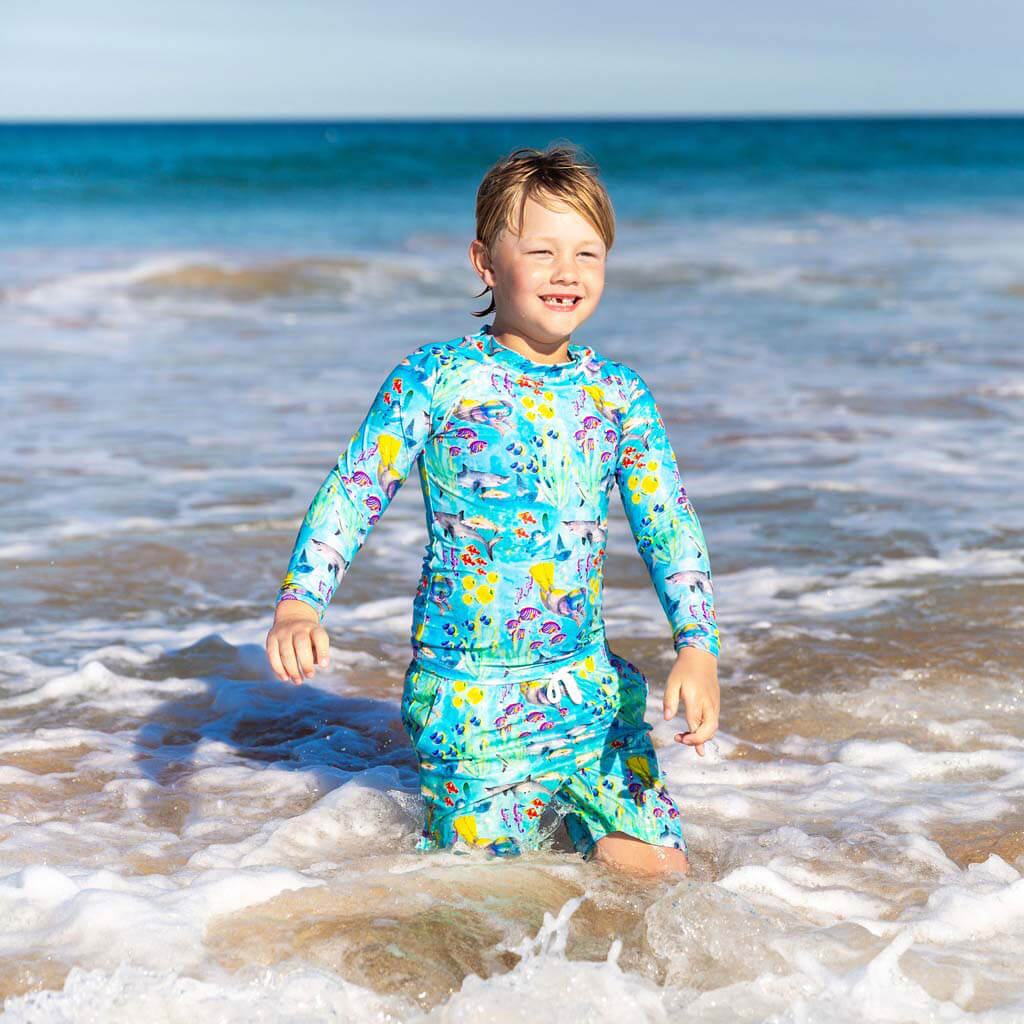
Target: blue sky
75 60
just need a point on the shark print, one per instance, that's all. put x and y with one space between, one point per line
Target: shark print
516 461
513 699
494 757
457 527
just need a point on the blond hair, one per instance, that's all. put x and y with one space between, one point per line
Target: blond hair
560 173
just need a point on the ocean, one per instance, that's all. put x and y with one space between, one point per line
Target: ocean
193 320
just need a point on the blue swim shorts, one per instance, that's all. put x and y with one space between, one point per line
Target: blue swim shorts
494 753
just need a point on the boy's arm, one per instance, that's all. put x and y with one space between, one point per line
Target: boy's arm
664 524
360 486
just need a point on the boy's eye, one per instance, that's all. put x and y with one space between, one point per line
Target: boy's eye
547 252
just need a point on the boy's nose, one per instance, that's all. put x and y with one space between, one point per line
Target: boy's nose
565 272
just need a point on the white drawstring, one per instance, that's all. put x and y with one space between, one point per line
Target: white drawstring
563 677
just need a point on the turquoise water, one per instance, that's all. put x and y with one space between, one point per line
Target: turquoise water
352 184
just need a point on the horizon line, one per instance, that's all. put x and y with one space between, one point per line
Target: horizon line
514 118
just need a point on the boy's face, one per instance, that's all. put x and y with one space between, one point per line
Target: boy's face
548 280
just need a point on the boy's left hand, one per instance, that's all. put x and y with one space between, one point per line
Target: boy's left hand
694 677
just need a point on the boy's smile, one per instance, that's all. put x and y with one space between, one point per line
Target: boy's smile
546 281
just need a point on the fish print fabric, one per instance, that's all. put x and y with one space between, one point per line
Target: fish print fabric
513 699
494 758
516 461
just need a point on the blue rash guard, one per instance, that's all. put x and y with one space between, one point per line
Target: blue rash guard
516 461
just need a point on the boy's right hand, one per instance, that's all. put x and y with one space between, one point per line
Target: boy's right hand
296 642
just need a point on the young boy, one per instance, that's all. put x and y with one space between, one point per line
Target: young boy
513 698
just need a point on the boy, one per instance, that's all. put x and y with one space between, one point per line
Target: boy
513 698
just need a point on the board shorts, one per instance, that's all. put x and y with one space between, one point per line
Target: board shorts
495 753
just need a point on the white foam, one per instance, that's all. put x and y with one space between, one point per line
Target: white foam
366 810
290 994
822 903
544 984
105 918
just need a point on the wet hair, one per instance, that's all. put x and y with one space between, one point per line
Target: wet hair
560 174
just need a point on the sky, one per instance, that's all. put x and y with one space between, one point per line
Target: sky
65 60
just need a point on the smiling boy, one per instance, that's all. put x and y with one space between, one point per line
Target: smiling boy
513 699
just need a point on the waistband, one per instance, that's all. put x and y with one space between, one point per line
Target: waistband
496 675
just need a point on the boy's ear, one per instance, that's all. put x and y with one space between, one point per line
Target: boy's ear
481 262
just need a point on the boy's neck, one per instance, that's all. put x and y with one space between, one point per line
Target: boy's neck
539 352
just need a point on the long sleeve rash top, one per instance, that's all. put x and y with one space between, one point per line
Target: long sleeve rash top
516 461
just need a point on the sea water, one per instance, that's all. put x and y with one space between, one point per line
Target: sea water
193 319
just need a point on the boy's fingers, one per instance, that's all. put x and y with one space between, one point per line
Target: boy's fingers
304 652
700 731
274 657
321 646
694 717
290 664
703 732
671 702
